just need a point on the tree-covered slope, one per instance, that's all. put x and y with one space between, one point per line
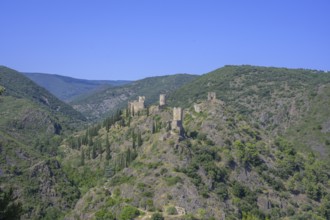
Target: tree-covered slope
19 86
292 102
222 168
32 124
68 88
102 103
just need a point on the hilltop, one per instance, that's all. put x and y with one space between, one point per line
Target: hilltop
100 105
289 102
68 88
242 142
220 167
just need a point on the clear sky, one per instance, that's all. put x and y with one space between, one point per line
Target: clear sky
133 39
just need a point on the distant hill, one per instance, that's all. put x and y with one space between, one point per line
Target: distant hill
100 104
27 108
291 102
68 88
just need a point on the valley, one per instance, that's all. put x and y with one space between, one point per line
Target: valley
240 142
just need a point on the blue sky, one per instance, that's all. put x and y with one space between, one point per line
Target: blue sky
133 39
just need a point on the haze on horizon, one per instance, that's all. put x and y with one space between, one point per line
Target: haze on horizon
128 40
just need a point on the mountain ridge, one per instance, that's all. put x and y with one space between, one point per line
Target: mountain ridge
68 88
101 104
251 152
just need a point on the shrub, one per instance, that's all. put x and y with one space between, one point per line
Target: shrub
129 212
172 180
171 210
157 216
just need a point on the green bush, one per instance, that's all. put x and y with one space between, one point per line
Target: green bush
128 213
171 210
172 180
157 216
103 214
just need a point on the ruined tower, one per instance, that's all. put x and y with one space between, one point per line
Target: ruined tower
162 100
176 124
211 96
137 105
141 99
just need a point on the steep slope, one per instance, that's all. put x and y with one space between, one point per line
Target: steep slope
222 168
32 124
38 182
68 88
275 99
20 86
29 112
103 103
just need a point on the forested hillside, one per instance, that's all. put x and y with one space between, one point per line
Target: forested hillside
32 125
257 151
68 88
222 167
291 102
101 104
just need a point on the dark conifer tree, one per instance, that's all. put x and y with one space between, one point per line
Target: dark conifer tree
139 139
107 148
82 159
94 152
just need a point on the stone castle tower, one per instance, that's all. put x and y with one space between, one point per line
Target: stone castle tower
137 105
141 99
211 96
162 100
177 114
176 124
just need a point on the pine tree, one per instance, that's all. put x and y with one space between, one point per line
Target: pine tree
107 148
9 208
153 129
89 153
133 140
94 152
90 141
129 122
126 112
139 139
82 160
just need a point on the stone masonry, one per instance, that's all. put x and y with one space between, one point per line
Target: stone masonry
137 105
211 96
176 124
162 100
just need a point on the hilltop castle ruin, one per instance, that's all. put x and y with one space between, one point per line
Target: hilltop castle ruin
162 100
136 105
176 124
211 96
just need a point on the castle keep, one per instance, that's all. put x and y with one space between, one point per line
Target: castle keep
162 100
176 124
136 105
211 96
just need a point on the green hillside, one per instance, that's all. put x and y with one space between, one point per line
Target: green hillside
68 88
259 151
19 86
223 167
101 104
291 102
32 125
